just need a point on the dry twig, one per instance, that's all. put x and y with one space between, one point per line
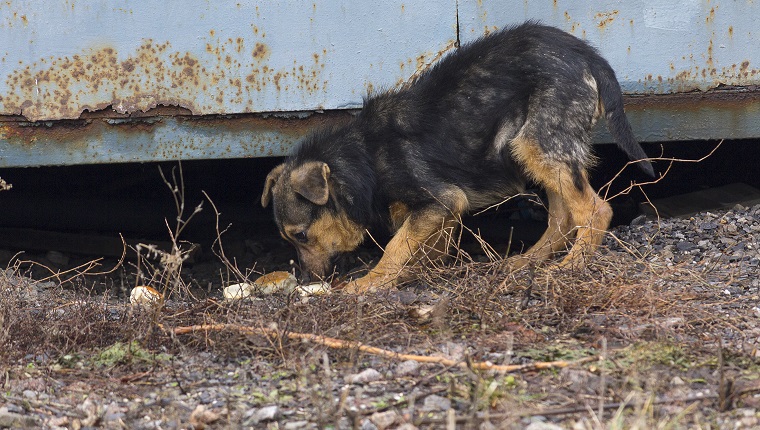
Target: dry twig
344 344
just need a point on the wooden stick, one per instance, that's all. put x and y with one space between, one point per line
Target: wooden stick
344 344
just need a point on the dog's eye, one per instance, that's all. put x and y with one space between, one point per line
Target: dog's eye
301 237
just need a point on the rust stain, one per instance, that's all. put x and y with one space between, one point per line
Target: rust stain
425 60
695 101
258 123
154 74
685 80
604 19
710 18
77 135
260 51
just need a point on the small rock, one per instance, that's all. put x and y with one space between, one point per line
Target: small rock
205 397
408 368
201 417
114 412
57 422
383 420
677 381
436 403
265 414
10 407
487 425
639 220
368 425
685 246
14 420
405 297
58 258
708 226
539 425
29 394
295 425
369 375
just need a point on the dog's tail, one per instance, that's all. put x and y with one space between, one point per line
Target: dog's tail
612 99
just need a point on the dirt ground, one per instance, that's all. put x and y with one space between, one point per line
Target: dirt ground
658 331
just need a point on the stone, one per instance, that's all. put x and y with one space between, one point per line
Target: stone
408 368
383 420
265 414
368 375
435 402
14 420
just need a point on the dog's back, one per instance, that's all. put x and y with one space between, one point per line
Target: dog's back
460 118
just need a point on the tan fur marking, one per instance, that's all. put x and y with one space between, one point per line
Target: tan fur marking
339 232
327 236
590 81
501 139
569 207
272 178
398 212
555 238
599 111
591 217
529 154
422 235
455 201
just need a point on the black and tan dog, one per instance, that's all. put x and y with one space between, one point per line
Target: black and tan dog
513 107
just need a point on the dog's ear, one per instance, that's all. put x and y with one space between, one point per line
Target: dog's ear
272 177
310 181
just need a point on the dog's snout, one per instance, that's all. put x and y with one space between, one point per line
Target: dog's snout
318 269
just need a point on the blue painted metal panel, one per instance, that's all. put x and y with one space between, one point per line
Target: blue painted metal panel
225 66
655 46
154 138
58 59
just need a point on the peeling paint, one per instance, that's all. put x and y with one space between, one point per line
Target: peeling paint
605 19
154 74
85 82
239 57
163 133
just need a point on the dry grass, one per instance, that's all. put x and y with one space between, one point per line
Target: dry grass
539 313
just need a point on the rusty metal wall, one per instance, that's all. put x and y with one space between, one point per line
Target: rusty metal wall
98 82
655 46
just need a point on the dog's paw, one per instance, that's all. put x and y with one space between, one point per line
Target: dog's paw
367 284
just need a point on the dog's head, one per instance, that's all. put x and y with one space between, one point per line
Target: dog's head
308 216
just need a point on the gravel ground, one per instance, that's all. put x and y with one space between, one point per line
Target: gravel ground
691 366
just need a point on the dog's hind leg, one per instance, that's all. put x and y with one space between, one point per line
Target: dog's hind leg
554 239
573 204
591 217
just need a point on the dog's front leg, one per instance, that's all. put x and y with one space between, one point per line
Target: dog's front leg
423 235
